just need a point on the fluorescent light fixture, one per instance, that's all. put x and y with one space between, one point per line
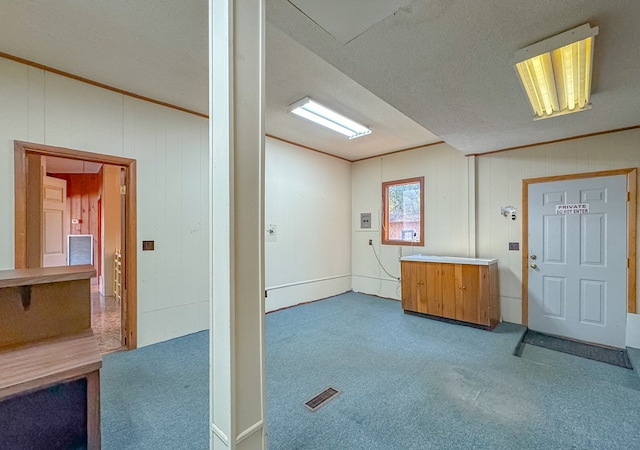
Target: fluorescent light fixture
556 73
315 112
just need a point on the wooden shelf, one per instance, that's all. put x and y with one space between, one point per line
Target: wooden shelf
30 277
44 364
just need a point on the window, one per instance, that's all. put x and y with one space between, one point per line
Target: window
403 212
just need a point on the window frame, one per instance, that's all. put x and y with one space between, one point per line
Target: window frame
385 212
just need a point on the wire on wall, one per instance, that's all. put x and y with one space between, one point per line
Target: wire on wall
380 264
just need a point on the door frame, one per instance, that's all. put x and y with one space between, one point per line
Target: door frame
632 224
22 174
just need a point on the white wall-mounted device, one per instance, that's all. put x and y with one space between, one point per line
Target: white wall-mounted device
508 211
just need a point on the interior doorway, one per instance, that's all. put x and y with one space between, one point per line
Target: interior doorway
100 207
579 255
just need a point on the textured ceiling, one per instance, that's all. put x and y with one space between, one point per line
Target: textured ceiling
346 20
438 65
448 65
312 76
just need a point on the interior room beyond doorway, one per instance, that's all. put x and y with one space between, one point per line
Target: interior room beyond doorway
91 220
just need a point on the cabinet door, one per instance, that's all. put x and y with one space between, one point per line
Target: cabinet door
449 290
433 288
468 285
413 286
484 296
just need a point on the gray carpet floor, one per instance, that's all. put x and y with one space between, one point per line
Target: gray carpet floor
406 382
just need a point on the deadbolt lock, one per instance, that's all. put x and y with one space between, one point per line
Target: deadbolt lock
534 257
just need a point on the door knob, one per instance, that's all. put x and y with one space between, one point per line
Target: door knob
534 266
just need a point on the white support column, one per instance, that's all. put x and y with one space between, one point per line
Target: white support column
236 73
472 201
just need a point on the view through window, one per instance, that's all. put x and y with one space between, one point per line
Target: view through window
403 210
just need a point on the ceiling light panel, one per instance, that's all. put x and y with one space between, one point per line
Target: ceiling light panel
556 73
311 110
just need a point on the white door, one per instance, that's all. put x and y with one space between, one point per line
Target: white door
578 259
54 224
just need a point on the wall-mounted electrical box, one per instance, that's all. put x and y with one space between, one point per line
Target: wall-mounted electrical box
365 220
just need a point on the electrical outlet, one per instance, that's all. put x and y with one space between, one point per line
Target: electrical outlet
370 241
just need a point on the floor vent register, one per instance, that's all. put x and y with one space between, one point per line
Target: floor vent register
323 397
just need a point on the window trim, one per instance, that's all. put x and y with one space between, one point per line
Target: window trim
385 219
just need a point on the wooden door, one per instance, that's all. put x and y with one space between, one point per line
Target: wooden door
54 222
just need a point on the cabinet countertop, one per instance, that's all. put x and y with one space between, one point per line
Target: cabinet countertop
25 277
449 260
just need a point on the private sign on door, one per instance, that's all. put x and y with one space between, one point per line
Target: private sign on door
573 208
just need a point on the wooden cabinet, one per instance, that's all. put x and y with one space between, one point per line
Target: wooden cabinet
49 360
464 289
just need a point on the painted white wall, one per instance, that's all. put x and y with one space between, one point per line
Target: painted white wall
499 183
171 148
308 199
447 202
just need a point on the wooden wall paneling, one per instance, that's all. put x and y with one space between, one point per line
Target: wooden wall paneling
83 194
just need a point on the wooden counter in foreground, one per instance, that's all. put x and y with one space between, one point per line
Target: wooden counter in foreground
49 360
45 303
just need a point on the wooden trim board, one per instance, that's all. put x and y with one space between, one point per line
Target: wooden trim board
22 150
98 84
632 224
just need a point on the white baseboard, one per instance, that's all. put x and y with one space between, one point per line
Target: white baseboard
291 294
380 287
